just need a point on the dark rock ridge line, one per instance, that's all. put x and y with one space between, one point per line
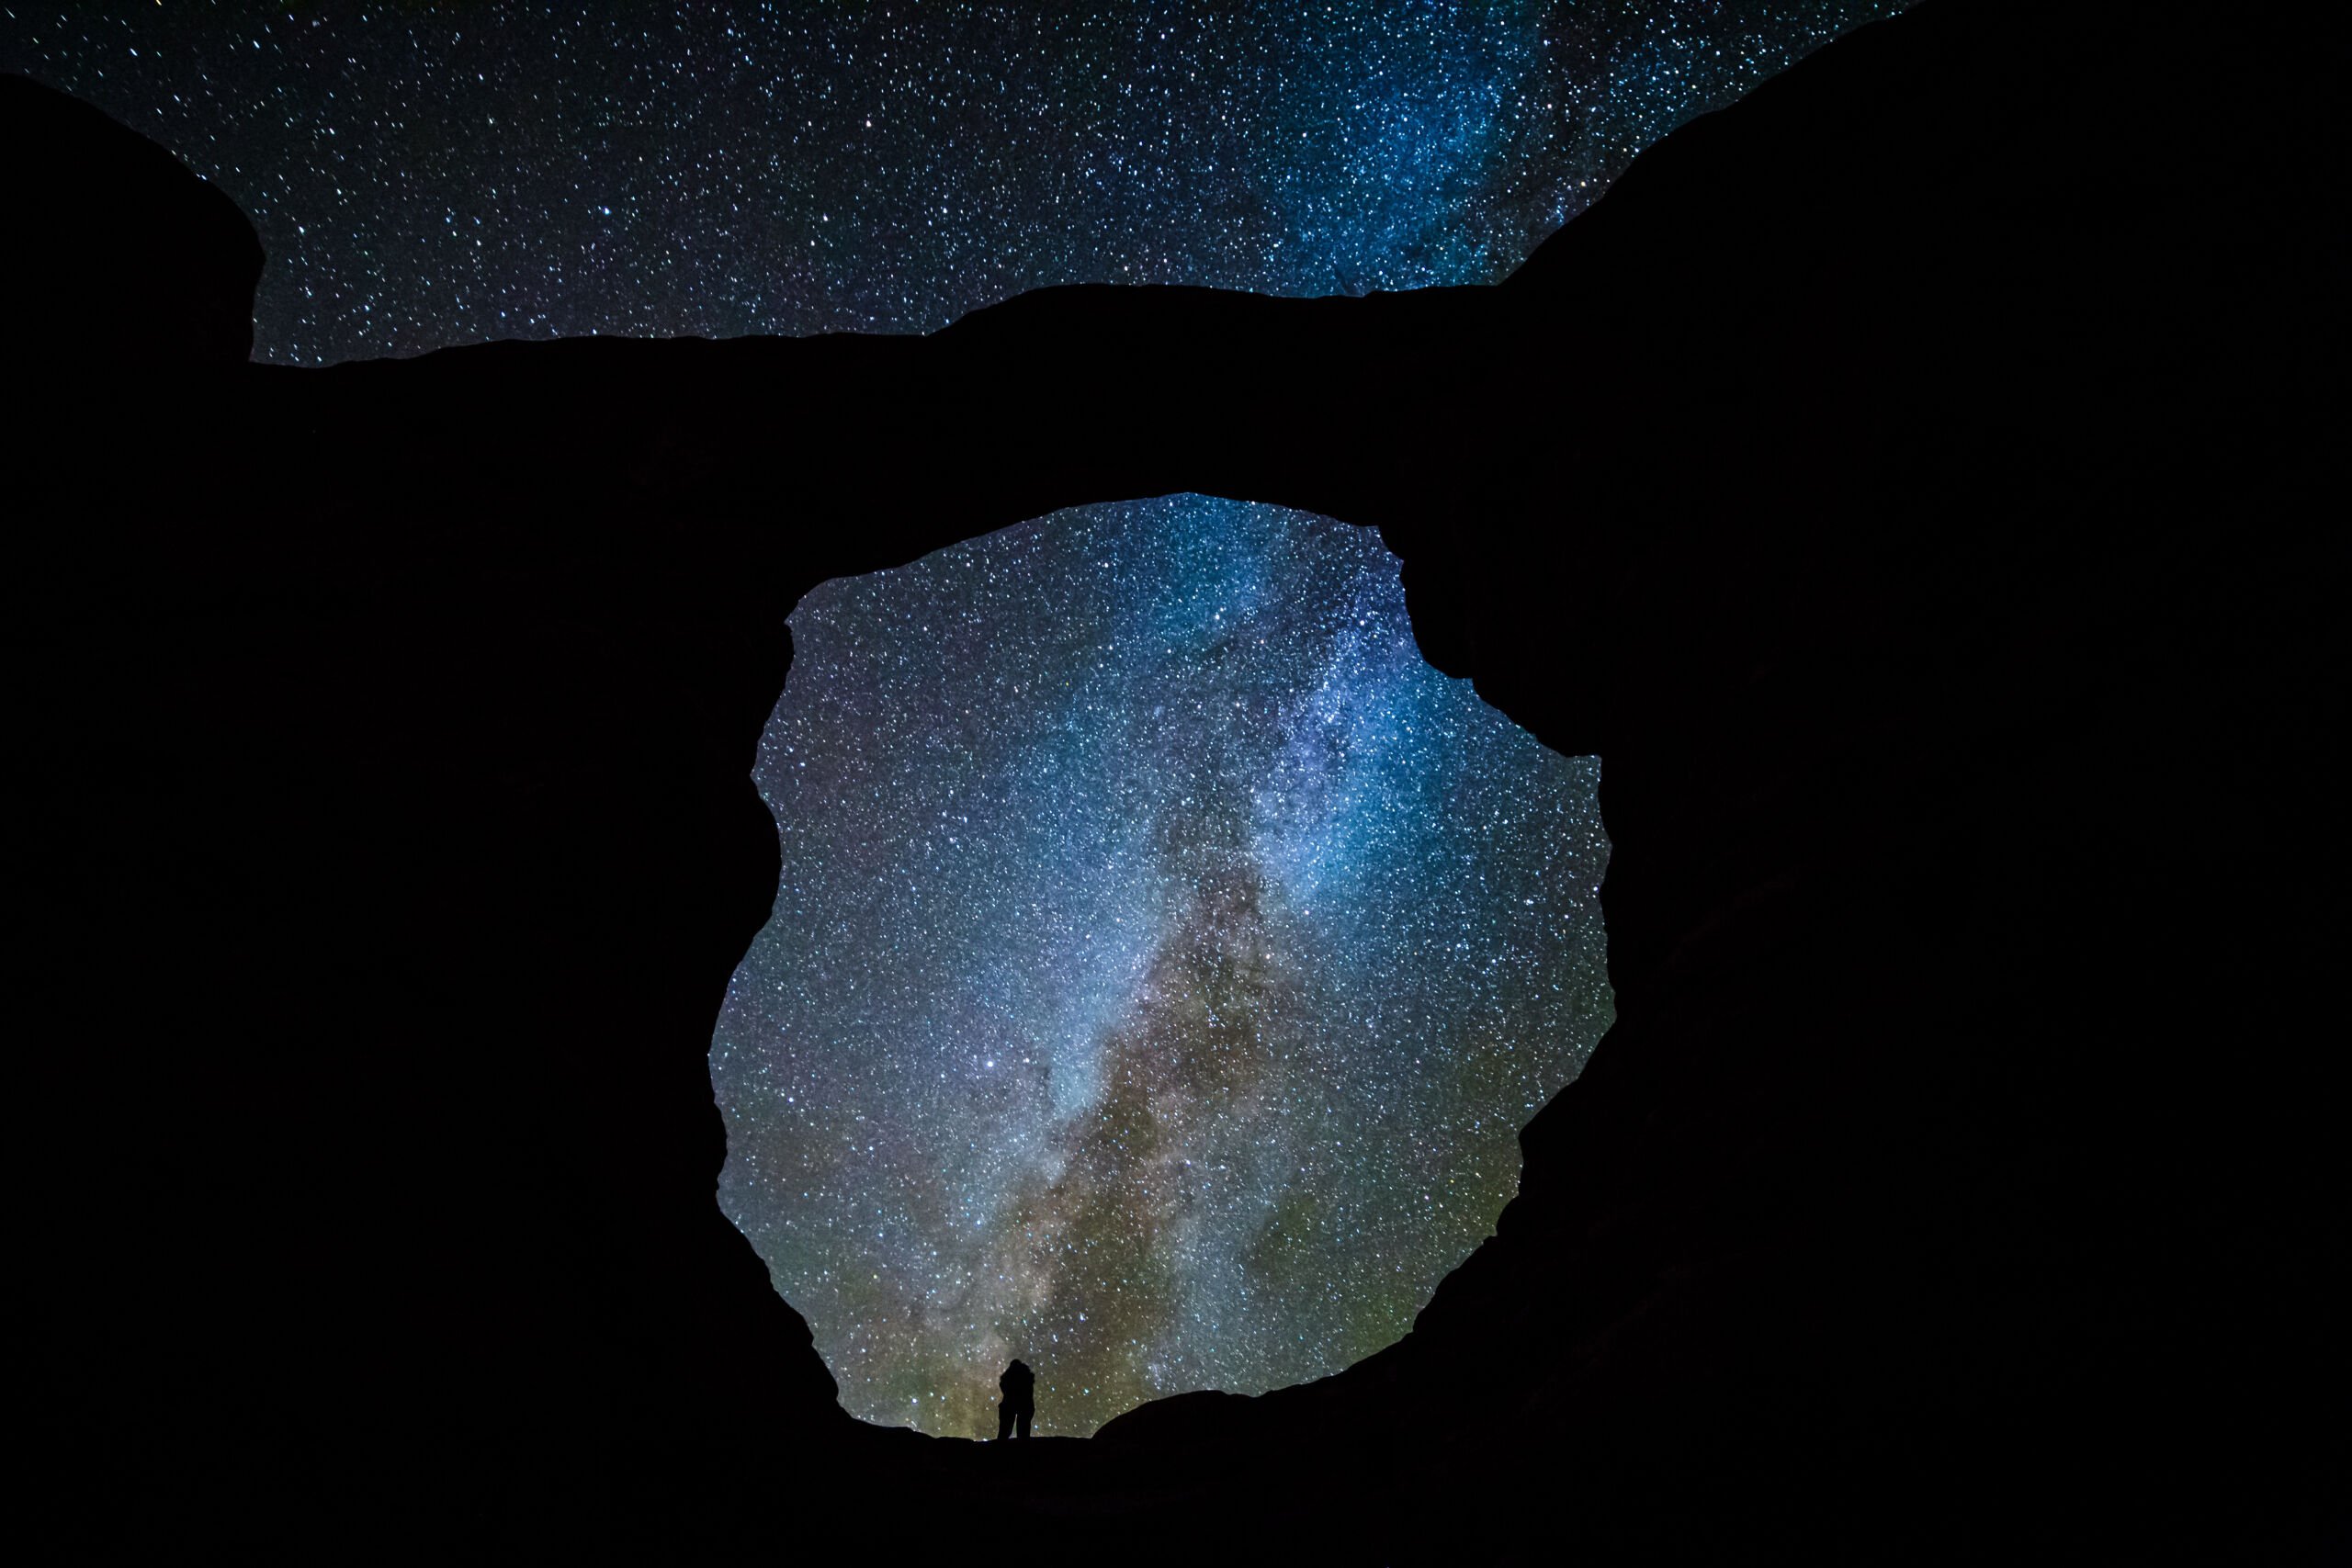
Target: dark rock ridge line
1903 480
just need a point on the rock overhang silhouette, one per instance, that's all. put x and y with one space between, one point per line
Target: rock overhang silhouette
1903 503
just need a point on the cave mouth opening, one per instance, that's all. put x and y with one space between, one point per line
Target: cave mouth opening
1164 960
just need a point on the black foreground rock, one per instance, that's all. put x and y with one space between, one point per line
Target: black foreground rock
1911 482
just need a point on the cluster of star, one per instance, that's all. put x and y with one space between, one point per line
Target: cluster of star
1165 961
423 175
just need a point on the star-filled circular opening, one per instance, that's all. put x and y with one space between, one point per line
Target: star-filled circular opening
1165 959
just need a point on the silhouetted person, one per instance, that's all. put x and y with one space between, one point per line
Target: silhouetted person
1019 1387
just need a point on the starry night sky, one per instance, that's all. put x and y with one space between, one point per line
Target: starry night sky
1166 960
1166 956
425 175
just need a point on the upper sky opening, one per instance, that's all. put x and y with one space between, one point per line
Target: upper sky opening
423 175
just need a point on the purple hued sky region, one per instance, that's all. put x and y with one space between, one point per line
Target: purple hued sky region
1166 956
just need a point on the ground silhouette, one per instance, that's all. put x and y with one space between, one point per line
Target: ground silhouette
1906 481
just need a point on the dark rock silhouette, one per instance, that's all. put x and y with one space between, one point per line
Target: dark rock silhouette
120 263
1905 481
1019 1406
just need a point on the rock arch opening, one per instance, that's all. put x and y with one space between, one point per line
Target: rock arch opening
1164 960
